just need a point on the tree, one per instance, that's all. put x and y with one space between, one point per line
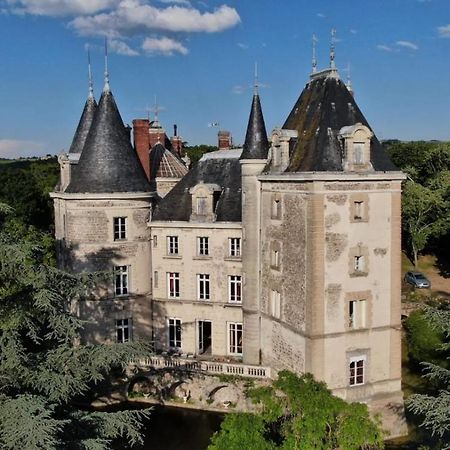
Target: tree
435 409
299 413
425 214
44 373
195 152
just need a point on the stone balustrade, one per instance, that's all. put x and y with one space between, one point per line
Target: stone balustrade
210 367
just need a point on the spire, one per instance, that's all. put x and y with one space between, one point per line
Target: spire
332 52
106 87
108 163
256 144
314 59
91 84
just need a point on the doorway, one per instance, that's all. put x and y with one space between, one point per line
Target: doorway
204 337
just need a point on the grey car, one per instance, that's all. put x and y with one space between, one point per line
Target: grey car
417 279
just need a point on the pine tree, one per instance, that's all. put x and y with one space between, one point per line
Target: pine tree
435 409
44 371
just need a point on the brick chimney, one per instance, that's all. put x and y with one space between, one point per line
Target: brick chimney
225 141
142 142
177 142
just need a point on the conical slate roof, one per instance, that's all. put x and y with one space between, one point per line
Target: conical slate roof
256 144
84 125
108 163
164 164
323 108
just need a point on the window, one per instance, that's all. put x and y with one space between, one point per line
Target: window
234 288
173 285
155 279
358 152
203 246
121 280
202 208
175 333
235 338
359 263
120 228
357 314
203 286
234 247
358 210
275 258
276 208
275 304
172 245
155 240
357 370
123 330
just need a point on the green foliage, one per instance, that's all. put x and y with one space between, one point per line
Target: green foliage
426 193
424 341
435 409
195 152
26 185
44 372
300 413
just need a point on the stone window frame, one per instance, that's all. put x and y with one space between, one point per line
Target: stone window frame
276 212
174 333
234 247
358 296
275 304
364 212
203 287
120 228
121 281
275 255
207 195
173 245
235 289
124 330
360 135
173 285
202 246
235 330
354 253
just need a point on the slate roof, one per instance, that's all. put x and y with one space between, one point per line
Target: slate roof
222 168
84 125
323 108
165 164
108 163
256 144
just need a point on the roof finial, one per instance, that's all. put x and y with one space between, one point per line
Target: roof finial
349 79
106 87
314 59
91 84
332 53
256 85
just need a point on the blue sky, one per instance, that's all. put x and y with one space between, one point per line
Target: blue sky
198 57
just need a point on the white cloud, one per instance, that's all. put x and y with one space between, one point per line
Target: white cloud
321 15
444 31
11 148
242 45
353 31
121 48
384 48
179 2
238 89
163 46
132 17
407 44
59 7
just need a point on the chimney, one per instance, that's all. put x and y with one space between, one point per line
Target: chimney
177 142
225 141
142 142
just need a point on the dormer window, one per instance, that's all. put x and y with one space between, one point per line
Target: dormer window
356 143
204 202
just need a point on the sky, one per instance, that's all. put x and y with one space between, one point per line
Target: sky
197 58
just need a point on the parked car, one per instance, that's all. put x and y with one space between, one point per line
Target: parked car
417 279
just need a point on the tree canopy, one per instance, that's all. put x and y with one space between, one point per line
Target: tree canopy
44 371
299 413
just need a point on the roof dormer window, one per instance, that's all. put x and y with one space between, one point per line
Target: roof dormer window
204 202
356 140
